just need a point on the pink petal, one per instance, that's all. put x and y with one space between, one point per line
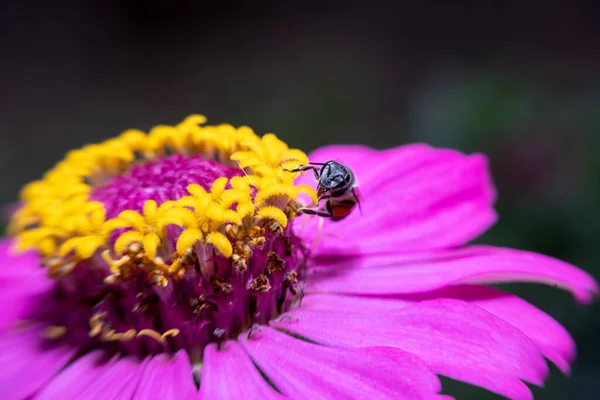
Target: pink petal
21 270
167 378
17 307
22 284
382 274
27 365
454 338
117 381
17 262
550 337
93 376
228 373
413 198
74 379
302 370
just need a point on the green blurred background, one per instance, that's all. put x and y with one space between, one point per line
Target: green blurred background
517 80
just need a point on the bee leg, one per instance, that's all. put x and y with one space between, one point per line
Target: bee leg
312 211
306 168
357 198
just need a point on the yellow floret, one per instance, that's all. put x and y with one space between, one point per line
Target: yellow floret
221 242
147 229
276 190
273 213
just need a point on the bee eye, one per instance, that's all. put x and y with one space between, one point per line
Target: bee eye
339 182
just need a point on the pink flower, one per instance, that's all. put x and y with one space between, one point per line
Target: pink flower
373 306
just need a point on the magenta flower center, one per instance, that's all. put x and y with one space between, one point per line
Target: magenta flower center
162 179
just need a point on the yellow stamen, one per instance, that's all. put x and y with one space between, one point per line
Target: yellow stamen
170 332
157 336
54 332
126 336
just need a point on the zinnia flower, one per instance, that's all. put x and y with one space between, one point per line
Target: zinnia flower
175 265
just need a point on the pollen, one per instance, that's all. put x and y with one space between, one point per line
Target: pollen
64 215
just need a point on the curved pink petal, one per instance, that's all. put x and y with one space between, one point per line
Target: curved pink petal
550 337
23 283
93 376
303 370
454 338
27 364
17 307
414 197
21 270
73 380
167 378
13 261
383 274
228 373
118 380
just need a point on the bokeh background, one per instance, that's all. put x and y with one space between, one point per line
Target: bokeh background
518 80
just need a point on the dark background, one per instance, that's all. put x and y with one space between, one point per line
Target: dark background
519 80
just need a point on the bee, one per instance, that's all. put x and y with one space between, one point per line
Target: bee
336 185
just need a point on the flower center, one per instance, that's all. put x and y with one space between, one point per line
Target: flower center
161 179
153 252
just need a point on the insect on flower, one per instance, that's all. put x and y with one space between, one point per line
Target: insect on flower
160 265
337 185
